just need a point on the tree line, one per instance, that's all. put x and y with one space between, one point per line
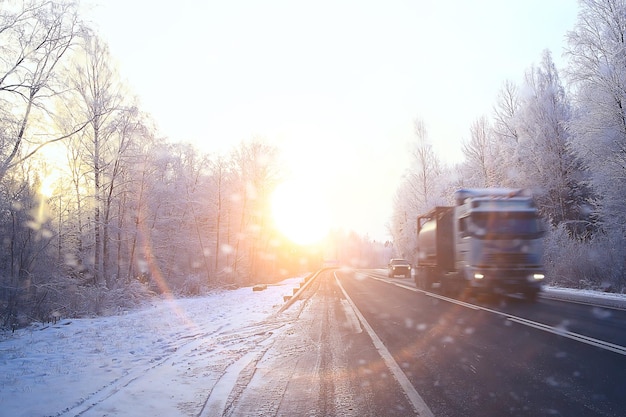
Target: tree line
564 138
97 211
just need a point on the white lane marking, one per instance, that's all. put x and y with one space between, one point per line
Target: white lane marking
570 335
520 320
416 400
429 294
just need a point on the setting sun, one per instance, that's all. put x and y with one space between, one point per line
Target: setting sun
300 213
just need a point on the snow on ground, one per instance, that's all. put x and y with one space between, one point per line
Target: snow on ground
169 354
163 359
586 296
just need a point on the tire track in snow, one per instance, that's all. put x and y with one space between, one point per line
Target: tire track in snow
236 377
125 380
244 340
221 396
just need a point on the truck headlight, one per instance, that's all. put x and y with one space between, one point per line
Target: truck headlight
538 277
478 275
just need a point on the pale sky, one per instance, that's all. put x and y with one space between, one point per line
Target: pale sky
335 83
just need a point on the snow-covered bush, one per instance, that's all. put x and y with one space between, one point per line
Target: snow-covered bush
593 264
193 285
68 298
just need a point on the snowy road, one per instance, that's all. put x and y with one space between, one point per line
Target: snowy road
352 344
323 364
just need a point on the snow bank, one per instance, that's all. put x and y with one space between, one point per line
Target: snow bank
586 296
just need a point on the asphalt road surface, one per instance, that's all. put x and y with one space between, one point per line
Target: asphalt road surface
363 344
501 357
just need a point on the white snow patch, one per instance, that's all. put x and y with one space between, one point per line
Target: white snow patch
163 359
586 296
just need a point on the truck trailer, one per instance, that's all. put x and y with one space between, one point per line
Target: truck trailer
490 241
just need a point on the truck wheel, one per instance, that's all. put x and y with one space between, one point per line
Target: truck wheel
419 278
425 276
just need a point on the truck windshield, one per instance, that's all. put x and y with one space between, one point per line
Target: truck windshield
505 225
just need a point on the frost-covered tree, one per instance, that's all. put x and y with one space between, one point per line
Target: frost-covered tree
257 172
505 136
597 74
221 190
139 198
35 37
480 157
99 98
597 52
548 164
425 170
23 242
35 40
420 190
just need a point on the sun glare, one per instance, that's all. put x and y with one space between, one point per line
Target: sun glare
48 184
300 212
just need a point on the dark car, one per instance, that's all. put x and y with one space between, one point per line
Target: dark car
399 267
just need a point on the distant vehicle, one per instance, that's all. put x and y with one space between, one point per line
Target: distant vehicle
489 242
399 267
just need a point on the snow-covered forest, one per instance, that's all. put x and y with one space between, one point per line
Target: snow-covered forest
99 211
560 133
